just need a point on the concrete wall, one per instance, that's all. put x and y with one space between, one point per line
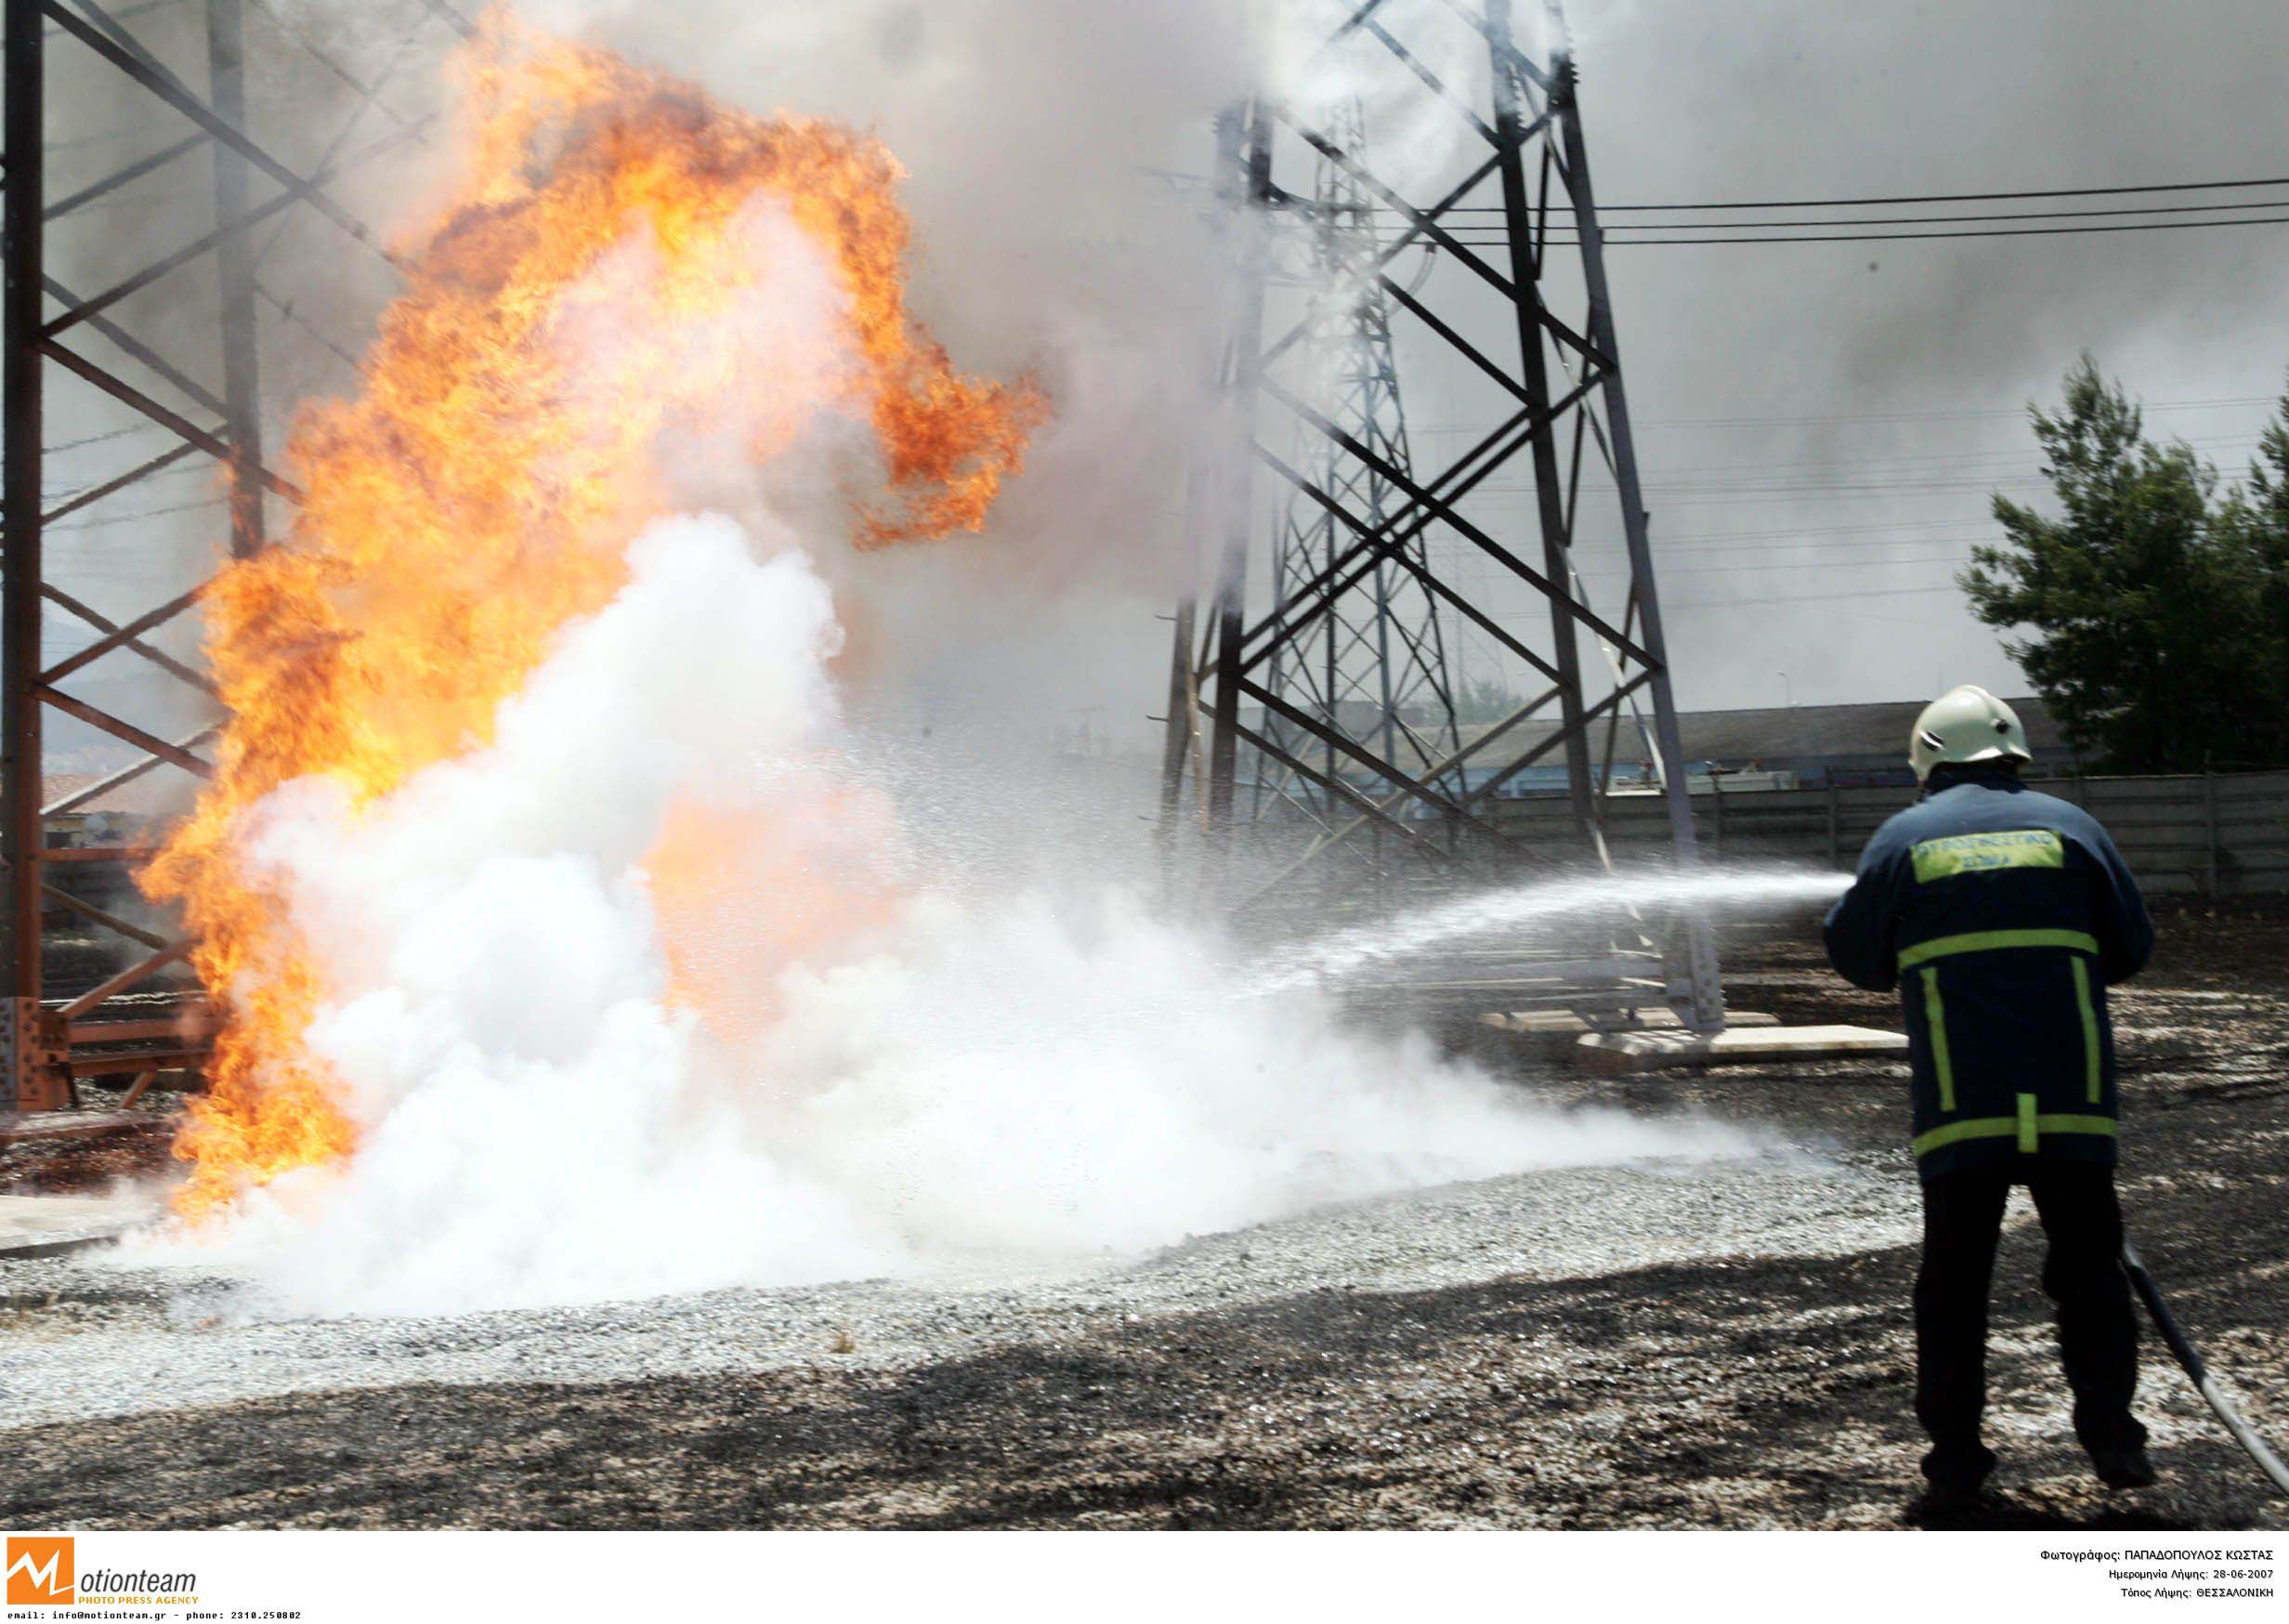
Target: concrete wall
2227 833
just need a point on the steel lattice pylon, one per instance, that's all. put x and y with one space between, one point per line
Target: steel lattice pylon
1359 517
192 391
1376 662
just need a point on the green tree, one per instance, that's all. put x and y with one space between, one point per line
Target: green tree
2143 606
1486 699
2263 514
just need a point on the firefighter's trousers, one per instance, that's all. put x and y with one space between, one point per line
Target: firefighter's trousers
2098 1328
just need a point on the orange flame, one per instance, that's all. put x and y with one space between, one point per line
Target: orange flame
480 491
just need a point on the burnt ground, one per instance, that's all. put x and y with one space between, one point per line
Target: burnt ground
1729 1392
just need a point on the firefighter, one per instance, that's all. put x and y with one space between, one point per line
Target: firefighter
2002 916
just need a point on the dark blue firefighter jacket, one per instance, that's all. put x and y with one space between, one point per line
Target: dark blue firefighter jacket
2002 915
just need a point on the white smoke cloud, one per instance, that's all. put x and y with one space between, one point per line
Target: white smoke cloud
967 1073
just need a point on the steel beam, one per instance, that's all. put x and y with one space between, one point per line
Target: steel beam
105 722
232 227
134 975
22 829
235 274
128 394
127 636
125 774
1329 657
1706 986
119 178
1534 375
140 67
1244 153
38 310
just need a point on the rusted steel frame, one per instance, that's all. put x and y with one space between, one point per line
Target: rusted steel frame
175 94
154 1060
121 390
196 248
126 730
231 230
111 922
119 178
129 344
134 975
118 482
191 1023
22 830
127 637
104 786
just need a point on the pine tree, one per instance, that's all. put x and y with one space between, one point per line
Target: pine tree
2144 605
2265 516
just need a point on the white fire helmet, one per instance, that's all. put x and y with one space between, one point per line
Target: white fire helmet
1965 725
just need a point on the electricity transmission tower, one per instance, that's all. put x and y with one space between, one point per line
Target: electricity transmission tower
149 383
1376 662
1522 314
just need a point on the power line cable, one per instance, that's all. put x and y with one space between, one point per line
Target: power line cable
1731 422
1801 223
1496 242
1669 603
2264 202
1942 196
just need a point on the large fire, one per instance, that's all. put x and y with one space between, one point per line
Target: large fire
480 492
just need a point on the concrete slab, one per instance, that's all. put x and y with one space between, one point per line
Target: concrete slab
1565 1023
1646 1051
38 1226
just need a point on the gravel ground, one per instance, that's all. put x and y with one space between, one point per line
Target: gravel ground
87 1338
1719 1345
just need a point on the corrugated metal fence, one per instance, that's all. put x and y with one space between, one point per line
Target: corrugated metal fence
2217 833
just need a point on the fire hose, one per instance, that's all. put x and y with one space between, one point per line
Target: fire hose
2197 1371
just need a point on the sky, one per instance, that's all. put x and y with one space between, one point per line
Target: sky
1822 427
1907 365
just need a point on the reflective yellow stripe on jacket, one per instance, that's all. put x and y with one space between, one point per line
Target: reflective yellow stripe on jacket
2013 1128
1982 941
